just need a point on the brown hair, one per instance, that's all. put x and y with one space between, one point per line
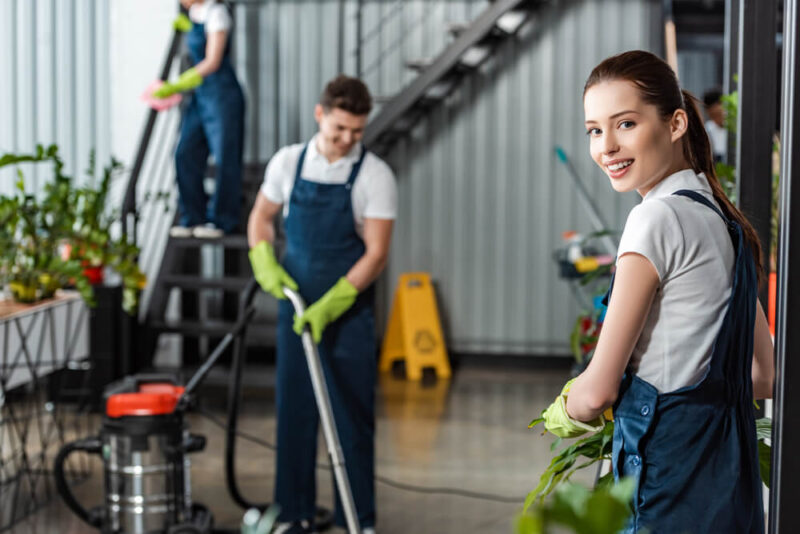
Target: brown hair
347 93
658 86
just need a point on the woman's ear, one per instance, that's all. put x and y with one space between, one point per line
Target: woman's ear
678 124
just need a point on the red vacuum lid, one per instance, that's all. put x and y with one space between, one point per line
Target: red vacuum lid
151 399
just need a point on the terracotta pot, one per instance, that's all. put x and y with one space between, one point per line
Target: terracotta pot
772 289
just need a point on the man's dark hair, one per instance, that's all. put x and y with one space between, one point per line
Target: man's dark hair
346 93
711 97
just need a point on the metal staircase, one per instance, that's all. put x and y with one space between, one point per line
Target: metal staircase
180 266
474 43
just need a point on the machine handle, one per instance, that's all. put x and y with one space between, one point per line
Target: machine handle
91 445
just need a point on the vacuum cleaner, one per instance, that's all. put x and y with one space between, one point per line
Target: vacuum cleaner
145 445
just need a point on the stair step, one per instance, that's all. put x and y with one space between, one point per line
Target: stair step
457 28
232 241
419 64
475 55
198 282
510 22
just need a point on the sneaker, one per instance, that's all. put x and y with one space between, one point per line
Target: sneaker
207 231
180 231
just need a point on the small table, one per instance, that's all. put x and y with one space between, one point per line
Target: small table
36 340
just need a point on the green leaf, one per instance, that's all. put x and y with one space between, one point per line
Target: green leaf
536 422
575 340
764 462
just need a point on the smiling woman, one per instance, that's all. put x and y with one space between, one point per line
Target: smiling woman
629 140
685 345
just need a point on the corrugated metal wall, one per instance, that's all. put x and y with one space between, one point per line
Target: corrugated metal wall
55 69
483 199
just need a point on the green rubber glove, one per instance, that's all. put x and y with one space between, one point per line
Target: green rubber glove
327 309
557 421
182 23
188 80
269 273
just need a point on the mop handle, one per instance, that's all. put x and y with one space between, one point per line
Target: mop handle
326 416
591 210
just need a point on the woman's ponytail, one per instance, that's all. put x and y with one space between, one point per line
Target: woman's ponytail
697 151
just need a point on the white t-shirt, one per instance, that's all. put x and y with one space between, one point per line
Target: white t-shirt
374 192
719 139
692 251
214 15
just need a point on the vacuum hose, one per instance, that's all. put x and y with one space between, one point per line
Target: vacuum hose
234 399
324 517
91 445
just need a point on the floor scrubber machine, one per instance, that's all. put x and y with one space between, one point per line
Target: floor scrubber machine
145 444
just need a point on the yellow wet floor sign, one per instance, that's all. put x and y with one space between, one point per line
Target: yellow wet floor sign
414 333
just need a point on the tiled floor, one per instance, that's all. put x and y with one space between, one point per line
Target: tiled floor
469 434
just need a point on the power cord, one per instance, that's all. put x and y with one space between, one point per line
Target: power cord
387 481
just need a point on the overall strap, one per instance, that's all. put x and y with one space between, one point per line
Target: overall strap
356 167
299 169
694 195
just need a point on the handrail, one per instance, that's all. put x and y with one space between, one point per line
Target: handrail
129 202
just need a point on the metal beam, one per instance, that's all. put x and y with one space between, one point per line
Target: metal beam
731 62
786 420
756 121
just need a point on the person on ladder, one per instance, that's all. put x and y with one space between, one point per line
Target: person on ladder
212 122
338 202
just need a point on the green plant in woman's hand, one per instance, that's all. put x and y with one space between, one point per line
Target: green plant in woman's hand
603 510
592 449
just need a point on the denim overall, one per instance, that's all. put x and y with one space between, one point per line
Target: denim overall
693 450
321 246
213 121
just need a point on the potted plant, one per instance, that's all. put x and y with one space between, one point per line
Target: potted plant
63 236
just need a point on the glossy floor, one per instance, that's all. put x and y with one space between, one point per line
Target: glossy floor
469 434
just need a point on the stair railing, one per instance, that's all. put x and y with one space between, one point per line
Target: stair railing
129 214
396 11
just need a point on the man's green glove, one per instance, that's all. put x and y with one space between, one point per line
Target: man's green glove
182 23
186 81
558 422
327 309
269 273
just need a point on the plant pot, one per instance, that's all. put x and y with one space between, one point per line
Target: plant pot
22 292
48 286
772 290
